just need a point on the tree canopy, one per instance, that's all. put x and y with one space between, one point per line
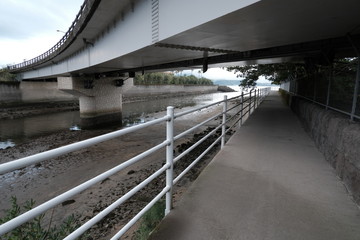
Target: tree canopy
276 73
279 72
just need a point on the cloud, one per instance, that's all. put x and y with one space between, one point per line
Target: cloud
29 27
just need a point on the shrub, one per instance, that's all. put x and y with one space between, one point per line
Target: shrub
36 229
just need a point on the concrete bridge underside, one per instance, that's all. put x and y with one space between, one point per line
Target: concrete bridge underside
117 37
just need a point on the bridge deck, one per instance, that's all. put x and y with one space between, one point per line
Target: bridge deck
269 182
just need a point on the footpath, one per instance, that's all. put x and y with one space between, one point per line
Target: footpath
268 182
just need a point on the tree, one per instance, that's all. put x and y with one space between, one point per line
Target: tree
6 76
276 73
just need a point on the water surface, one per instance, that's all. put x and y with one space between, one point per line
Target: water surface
15 131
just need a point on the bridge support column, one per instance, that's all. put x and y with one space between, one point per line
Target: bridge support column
100 100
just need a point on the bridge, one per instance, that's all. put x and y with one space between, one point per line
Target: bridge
269 181
111 40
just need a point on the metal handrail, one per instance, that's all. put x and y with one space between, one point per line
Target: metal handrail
324 105
254 100
76 27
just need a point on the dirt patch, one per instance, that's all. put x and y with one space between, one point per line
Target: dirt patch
21 110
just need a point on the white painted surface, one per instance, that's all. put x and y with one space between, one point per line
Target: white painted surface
126 42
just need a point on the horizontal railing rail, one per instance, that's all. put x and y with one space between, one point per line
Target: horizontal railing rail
243 105
326 106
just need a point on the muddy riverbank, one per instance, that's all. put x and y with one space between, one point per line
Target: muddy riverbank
43 181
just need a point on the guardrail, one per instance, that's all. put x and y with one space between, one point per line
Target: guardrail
242 105
291 88
76 27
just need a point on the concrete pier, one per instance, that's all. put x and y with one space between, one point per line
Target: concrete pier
100 100
269 182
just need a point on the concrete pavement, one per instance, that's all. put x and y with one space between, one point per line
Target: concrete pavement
269 182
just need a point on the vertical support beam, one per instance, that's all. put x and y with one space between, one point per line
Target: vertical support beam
169 158
356 91
224 122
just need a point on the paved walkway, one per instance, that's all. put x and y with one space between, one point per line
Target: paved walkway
269 182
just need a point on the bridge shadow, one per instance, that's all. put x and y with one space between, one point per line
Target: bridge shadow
268 182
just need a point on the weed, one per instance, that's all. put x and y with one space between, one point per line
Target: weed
36 229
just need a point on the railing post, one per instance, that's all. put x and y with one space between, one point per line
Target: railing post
169 158
242 108
329 89
250 103
224 122
254 100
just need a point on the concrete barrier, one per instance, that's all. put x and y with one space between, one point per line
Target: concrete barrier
337 138
139 92
32 92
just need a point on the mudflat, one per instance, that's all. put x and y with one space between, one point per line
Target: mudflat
47 179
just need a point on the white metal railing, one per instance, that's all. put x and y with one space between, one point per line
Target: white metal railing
243 105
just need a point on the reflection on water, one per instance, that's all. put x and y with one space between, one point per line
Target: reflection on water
7 144
21 129
15 131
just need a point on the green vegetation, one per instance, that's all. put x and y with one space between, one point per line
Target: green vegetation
150 220
169 78
314 78
276 73
280 72
36 229
6 76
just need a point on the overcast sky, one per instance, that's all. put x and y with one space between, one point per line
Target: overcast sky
28 28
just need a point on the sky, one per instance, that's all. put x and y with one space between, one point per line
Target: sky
28 28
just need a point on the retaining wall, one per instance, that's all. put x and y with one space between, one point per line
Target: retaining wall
138 92
337 138
43 91
32 92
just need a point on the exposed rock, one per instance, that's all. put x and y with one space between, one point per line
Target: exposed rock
337 138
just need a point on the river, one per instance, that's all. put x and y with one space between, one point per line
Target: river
16 131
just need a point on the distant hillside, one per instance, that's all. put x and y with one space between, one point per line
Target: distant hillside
227 82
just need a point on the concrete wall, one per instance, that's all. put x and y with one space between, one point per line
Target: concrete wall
10 92
142 91
337 138
43 91
32 92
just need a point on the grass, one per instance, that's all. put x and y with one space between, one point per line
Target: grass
37 228
150 220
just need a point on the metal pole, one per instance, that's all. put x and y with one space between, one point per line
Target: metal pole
224 122
314 98
329 89
255 100
169 158
250 102
242 108
356 91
